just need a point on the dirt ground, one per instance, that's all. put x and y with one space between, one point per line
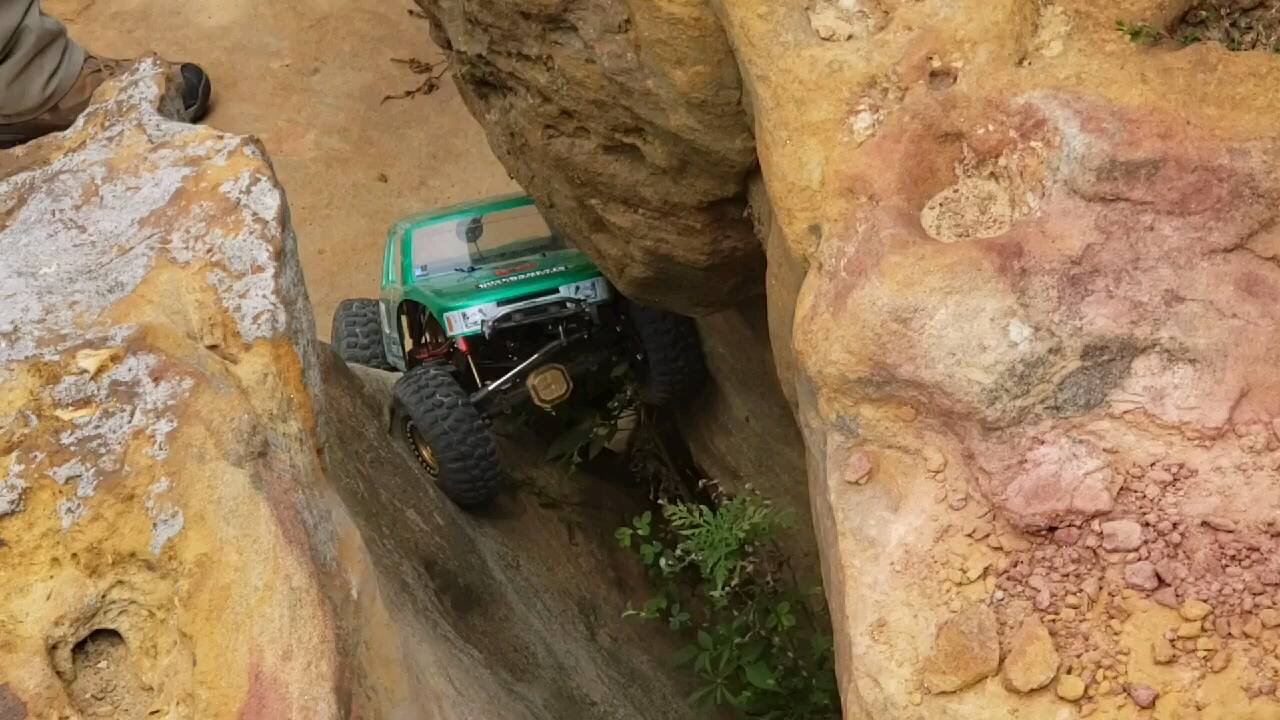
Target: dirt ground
308 77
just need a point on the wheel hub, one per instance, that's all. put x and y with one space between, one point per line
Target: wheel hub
426 457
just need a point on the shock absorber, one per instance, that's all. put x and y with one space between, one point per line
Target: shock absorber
465 349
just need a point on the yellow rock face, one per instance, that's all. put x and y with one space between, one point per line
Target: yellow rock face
129 445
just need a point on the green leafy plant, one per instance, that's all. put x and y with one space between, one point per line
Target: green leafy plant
760 645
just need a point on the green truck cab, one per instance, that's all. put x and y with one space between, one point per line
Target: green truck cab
484 308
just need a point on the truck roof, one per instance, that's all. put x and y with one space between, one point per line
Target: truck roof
464 209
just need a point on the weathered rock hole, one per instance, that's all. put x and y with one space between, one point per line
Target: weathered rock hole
102 681
943 78
972 208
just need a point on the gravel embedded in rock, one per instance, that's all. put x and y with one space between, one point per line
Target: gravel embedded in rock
1121 535
1167 597
1141 576
934 460
1220 523
1066 536
966 649
1070 688
1033 660
1194 609
1190 629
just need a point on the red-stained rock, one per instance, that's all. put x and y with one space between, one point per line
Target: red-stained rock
1141 576
1064 480
1067 535
1144 696
1121 535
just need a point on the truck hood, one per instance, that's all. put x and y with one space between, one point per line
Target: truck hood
502 281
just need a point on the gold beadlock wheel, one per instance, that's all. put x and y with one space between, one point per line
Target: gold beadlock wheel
421 449
448 436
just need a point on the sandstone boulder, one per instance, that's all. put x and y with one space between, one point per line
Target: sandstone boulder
1024 269
1069 282
201 514
624 120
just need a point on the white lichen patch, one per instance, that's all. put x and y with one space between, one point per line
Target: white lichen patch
166 518
131 397
69 512
159 431
125 192
1019 332
86 477
12 487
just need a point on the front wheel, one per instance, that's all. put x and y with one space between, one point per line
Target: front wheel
446 433
672 366
357 334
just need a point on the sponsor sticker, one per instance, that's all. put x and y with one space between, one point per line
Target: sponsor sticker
521 276
505 271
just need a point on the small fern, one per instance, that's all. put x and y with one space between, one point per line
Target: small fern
760 646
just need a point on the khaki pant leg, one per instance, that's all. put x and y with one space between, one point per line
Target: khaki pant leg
38 62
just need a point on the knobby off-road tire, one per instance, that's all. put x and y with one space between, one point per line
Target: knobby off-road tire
672 369
448 435
357 334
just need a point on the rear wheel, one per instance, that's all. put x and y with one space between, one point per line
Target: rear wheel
672 367
357 334
446 433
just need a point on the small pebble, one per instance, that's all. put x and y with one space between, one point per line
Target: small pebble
1220 661
1070 688
1220 523
1143 696
1194 609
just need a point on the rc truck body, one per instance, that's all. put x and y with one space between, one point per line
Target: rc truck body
484 308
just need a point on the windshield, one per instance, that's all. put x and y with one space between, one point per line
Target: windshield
465 242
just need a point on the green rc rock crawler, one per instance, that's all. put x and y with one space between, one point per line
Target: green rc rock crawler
484 308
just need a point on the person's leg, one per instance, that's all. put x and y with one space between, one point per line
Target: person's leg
38 61
46 80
